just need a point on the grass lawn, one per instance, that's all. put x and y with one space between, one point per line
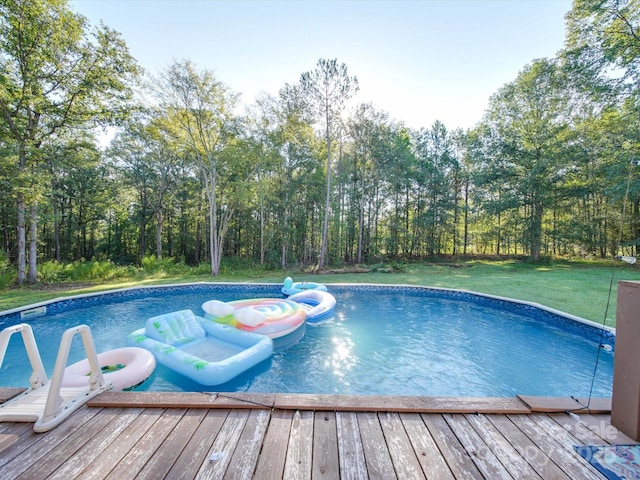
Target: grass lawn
579 288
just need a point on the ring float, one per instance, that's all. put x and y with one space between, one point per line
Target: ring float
125 367
274 317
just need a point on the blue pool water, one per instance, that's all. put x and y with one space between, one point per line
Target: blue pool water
381 341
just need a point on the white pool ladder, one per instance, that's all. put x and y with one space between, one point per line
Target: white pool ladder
46 402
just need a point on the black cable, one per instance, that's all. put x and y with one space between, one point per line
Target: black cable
606 310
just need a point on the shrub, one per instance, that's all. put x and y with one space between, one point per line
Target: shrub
8 275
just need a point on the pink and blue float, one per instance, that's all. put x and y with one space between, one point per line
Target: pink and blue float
278 318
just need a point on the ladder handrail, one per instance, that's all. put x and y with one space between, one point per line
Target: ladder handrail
38 376
96 379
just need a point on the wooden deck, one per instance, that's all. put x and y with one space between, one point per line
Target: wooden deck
236 436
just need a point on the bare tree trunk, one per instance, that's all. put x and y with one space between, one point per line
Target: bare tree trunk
327 206
56 227
466 217
261 234
285 233
160 221
32 273
536 233
213 238
196 258
56 220
22 240
361 214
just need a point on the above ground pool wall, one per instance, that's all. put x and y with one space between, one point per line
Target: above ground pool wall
625 402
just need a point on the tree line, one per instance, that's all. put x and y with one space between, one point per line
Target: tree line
307 177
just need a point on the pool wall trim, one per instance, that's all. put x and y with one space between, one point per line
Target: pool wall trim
610 330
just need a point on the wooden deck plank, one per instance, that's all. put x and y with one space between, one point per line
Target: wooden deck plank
427 452
600 424
7 393
353 465
183 400
135 460
402 454
324 463
221 451
565 458
30 447
539 460
97 444
455 455
373 403
510 458
112 456
569 429
244 442
359 403
566 404
10 427
194 453
166 455
274 449
245 456
12 432
245 400
376 454
67 448
486 461
300 447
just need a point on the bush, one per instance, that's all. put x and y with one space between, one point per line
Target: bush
78 271
151 265
8 275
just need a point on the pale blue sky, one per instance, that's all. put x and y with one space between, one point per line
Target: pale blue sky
419 60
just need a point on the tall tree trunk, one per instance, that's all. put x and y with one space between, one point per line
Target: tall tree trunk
32 273
198 247
22 239
213 238
56 219
327 206
261 234
56 228
285 232
160 222
456 209
361 214
466 217
498 234
143 240
536 230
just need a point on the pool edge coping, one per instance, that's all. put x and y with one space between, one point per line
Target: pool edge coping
539 306
520 404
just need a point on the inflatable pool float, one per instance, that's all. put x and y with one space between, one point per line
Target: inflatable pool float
289 287
274 317
318 304
125 368
206 352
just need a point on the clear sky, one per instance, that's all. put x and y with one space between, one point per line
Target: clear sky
418 60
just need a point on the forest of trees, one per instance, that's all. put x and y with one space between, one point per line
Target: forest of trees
299 179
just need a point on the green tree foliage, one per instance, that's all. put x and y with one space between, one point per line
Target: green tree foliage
552 169
55 74
199 115
604 34
328 87
527 120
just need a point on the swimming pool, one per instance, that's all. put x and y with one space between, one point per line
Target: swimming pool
382 340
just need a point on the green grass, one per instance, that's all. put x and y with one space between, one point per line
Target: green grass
579 288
